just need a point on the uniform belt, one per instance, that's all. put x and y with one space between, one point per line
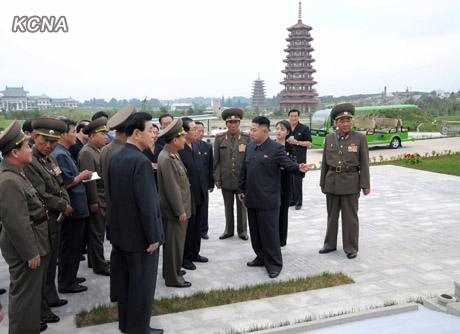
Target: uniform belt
40 220
340 169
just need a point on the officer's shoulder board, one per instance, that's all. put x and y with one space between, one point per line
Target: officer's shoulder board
220 135
172 155
245 134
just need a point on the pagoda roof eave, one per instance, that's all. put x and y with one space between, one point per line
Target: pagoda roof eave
300 94
287 60
310 70
299 38
299 25
311 101
299 48
292 82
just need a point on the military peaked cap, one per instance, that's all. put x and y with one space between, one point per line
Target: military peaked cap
343 110
118 120
11 137
50 128
173 130
232 114
98 125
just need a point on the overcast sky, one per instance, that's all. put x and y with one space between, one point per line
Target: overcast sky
186 48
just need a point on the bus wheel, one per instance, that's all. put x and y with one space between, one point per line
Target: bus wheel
395 142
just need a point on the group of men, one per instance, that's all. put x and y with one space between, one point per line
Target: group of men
48 197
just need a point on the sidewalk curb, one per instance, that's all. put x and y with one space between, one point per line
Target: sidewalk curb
342 319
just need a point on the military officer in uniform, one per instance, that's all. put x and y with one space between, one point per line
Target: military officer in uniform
89 159
229 150
117 123
45 175
344 172
24 233
175 203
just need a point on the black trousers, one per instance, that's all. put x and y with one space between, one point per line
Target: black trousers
284 208
296 194
72 233
137 279
265 237
204 216
193 237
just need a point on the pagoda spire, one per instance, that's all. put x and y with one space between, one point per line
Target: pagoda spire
300 10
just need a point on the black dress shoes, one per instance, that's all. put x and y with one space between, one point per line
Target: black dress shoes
244 237
200 258
205 236
186 284
2 291
43 326
76 289
182 272
352 255
189 266
325 251
82 258
255 263
273 274
155 331
225 236
59 303
50 318
105 272
81 280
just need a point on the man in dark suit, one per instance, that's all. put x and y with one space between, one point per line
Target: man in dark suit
259 188
198 185
205 151
136 229
301 139
73 227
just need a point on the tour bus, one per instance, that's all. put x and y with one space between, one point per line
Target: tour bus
379 131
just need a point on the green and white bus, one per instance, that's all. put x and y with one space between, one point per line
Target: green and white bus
379 131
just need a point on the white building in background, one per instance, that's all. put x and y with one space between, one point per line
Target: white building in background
181 106
16 98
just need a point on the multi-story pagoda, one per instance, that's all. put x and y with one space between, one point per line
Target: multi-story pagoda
258 95
298 82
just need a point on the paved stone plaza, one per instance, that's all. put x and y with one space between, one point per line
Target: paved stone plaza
409 247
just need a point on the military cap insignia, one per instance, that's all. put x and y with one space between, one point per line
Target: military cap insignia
51 132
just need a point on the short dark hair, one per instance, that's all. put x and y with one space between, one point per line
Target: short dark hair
199 123
186 123
262 121
164 116
81 125
294 110
287 125
136 121
156 126
27 126
99 114
67 121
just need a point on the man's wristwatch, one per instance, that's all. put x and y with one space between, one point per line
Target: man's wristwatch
297 143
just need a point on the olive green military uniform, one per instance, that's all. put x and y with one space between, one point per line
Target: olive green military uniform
116 122
23 236
88 159
228 158
44 174
175 199
344 172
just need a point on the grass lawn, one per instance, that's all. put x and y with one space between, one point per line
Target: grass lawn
107 313
446 164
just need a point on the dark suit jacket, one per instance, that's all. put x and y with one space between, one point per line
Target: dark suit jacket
195 172
205 150
135 210
260 175
77 193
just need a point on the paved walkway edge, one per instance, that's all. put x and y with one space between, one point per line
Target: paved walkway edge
342 319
